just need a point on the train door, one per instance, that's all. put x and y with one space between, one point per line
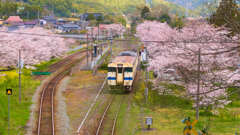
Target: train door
128 76
120 73
112 75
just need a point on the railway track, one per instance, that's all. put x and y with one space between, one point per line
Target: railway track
66 60
111 130
112 117
45 123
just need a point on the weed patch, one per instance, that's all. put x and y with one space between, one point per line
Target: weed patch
43 66
19 112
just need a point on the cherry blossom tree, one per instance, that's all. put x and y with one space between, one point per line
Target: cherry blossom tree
34 47
116 29
179 49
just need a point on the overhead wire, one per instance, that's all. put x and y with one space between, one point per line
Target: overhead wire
123 40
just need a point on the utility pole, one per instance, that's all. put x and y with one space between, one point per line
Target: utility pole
8 114
111 38
198 84
52 7
92 44
146 74
19 66
39 9
87 49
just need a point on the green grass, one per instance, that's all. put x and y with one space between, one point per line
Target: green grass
168 111
72 52
19 112
104 65
43 66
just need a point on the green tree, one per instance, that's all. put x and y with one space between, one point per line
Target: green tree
165 18
108 19
145 12
177 22
30 11
227 14
90 17
99 19
8 8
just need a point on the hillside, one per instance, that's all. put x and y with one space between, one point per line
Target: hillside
193 4
125 6
108 6
66 7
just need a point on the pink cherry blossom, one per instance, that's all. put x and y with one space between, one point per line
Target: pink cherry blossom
34 47
179 49
116 29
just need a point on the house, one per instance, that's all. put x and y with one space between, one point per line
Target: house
61 21
68 27
14 20
42 22
31 23
82 24
50 19
1 22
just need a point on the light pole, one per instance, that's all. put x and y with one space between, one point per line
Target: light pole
19 74
9 93
39 10
87 49
111 38
92 44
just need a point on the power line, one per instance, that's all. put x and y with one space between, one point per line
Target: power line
184 41
121 40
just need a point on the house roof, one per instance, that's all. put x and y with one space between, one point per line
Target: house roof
69 25
30 22
128 53
14 19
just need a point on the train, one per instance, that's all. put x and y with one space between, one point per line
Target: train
122 70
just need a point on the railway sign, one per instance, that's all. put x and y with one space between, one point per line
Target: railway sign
148 121
41 73
9 91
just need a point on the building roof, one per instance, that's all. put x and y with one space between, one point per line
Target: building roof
124 59
14 19
128 53
30 22
69 25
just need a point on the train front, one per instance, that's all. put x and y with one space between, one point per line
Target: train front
121 72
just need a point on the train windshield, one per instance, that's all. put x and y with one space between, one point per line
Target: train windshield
120 69
127 69
111 69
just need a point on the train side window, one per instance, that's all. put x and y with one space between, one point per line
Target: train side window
111 69
127 69
120 69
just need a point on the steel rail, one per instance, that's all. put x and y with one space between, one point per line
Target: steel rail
116 116
53 82
91 106
65 60
103 116
48 96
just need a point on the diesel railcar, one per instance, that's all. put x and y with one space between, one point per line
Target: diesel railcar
122 70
